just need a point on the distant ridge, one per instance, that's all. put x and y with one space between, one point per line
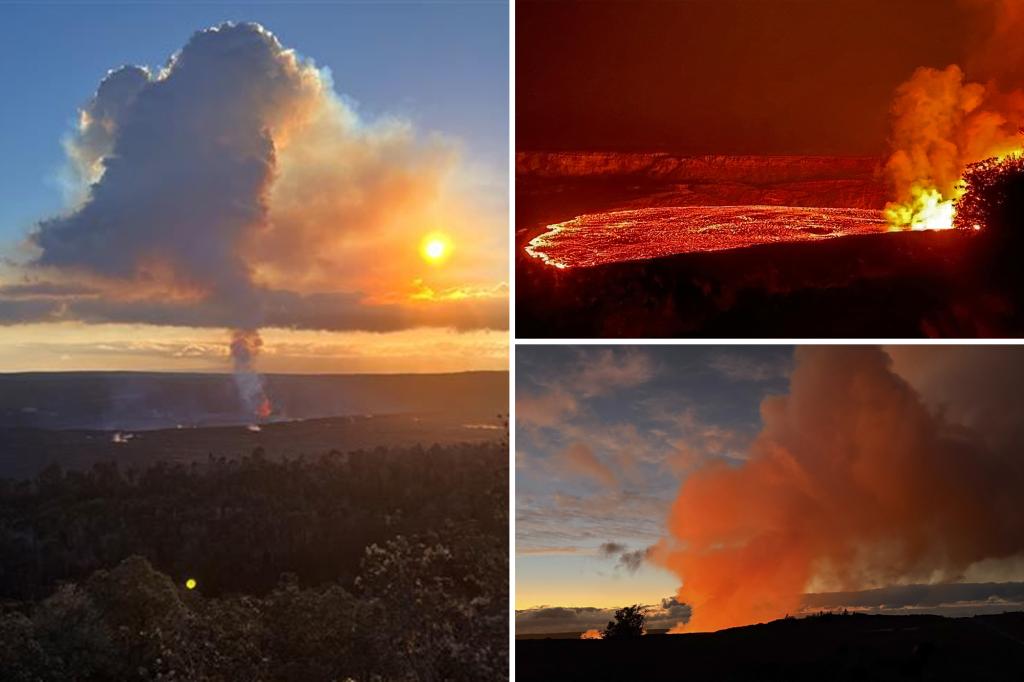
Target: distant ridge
699 169
826 647
155 400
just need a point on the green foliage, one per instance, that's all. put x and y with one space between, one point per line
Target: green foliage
237 525
629 622
423 595
993 198
461 580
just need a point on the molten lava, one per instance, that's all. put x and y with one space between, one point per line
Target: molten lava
641 234
926 210
263 411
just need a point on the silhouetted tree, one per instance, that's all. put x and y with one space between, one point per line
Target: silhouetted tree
629 622
993 199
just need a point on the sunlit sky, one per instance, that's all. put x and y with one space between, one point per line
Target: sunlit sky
442 67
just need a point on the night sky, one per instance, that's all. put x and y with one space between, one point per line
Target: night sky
729 76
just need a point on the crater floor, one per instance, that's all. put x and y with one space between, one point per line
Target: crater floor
644 233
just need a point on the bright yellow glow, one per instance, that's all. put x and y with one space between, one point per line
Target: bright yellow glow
436 248
191 583
930 209
926 210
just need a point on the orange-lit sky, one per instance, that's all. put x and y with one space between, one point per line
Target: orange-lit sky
78 346
726 76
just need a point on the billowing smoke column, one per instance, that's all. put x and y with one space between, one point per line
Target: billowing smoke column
228 189
852 484
942 121
181 166
245 346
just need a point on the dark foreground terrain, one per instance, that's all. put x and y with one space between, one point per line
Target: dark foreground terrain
385 564
366 547
828 647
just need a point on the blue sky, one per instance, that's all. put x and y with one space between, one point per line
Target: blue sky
442 65
644 416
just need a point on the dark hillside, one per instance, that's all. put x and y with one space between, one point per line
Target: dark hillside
827 647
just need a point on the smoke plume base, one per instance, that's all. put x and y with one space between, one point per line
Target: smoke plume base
245 346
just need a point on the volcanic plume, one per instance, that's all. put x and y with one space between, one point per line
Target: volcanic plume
943 121
234 188
245 346
853 483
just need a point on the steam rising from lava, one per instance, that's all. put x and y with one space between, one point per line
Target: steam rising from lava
853 483
245 346
942 122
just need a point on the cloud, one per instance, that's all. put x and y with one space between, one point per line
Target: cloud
546 409
35 347
578 619
695 442
611 548
744 367
946 598
605 371
632 561
233 188
565 520
578 459
951 599
591 374
551 551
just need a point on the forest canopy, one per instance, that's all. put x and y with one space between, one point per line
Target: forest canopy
385 564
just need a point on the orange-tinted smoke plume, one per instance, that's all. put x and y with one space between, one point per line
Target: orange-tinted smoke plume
853 483
944 120
245 346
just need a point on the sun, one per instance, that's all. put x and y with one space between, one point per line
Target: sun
435 248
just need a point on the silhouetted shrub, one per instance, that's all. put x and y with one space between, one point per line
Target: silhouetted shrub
629 622
993 199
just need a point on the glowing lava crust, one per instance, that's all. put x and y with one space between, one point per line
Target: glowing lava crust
641 234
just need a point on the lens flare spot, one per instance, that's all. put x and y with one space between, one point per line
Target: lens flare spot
435 248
